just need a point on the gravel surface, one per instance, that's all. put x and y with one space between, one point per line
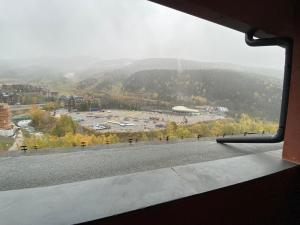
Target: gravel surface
28 170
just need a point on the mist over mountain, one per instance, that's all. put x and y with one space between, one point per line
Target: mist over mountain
80 68
163 82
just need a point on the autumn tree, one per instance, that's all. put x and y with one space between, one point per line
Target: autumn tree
41 119
51 106
171 129
64 125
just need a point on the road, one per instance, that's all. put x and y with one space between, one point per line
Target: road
26 170
23 107
18 141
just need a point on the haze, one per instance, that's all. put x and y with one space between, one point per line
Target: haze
114 29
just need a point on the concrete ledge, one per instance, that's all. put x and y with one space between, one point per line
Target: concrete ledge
93 199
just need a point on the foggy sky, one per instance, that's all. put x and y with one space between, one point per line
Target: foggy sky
113 29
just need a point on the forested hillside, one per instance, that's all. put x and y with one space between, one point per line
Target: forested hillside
241 92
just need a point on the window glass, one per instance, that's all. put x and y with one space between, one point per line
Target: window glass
80 73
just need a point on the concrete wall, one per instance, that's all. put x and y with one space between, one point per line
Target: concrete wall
273 17
292 137
258 202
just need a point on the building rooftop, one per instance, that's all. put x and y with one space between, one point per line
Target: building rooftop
184 109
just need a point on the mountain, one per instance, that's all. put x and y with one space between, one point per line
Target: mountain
155 82
90 67
241 92
127 67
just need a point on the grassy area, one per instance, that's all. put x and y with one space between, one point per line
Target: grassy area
5 143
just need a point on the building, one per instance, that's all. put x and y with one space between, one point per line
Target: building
10 98
182 110
5 116
222 109
213 109
13 94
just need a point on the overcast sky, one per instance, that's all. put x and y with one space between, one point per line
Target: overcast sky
111 29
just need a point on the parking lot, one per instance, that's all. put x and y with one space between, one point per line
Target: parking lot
134 121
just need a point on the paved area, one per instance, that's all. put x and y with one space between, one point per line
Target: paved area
133 121
49 168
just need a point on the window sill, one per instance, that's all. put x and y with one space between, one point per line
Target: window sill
99 198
